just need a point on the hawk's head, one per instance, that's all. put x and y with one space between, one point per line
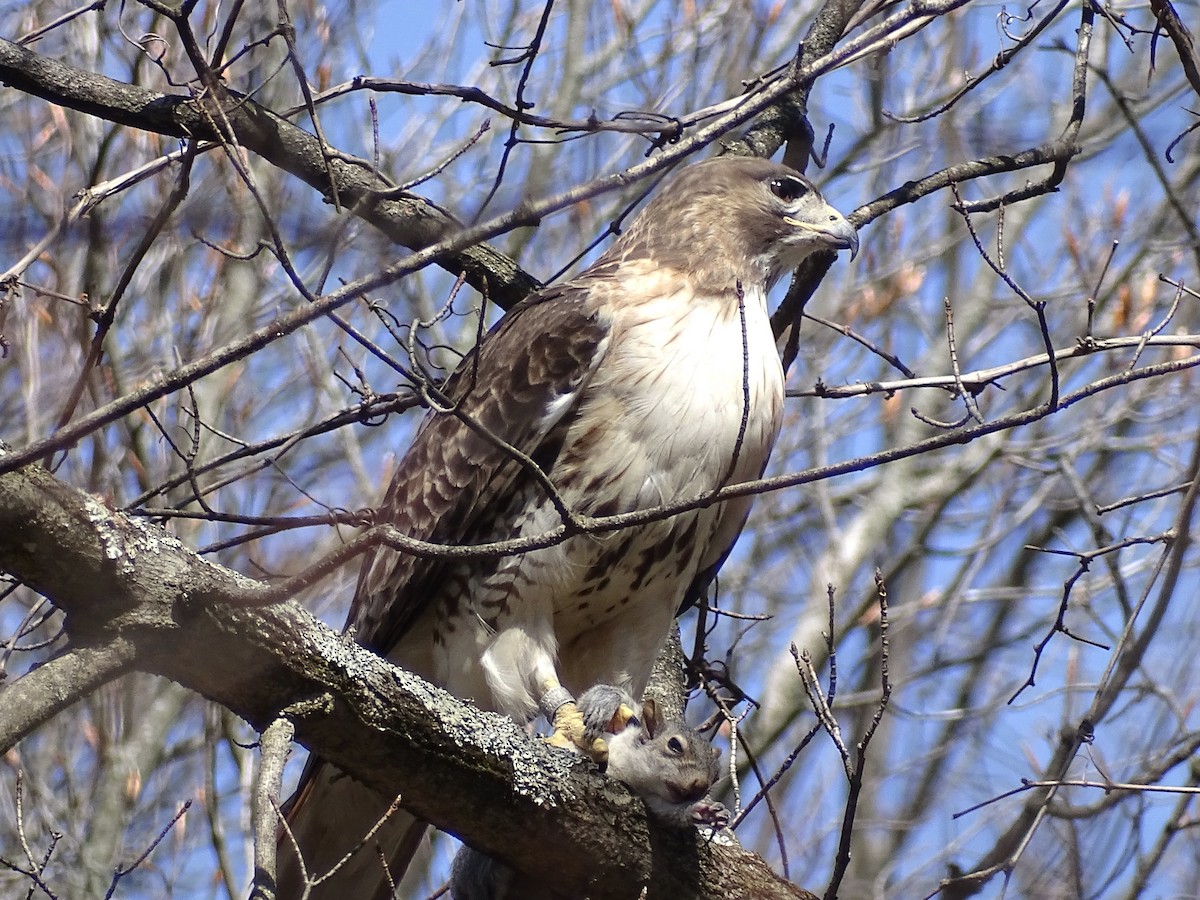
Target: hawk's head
735 218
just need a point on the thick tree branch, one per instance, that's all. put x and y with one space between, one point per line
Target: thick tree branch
117 579
408 220
58 684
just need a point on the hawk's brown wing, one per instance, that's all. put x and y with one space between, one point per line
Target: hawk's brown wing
454 486
520 383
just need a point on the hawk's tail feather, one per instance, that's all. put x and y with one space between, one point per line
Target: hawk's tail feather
329 816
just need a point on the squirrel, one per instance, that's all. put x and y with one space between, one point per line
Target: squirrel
663 761
666 763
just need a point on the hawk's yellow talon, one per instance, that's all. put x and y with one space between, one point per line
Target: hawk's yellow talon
620 719
596 751
560 740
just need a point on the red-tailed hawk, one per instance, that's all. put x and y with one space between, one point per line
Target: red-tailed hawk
650 378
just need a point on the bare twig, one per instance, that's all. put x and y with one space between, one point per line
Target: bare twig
856 775
1038 306
1185 44
974 382
366 841
1001 60
122 871
1060 626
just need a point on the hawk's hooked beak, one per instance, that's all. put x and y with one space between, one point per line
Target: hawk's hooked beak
836 231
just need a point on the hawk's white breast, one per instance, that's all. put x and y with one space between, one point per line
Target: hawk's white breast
677 378
688 398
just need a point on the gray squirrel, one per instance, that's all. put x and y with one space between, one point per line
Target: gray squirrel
666 763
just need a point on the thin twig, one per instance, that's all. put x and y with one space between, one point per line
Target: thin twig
842 858
122 871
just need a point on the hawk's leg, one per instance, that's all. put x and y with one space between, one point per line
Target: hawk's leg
520 668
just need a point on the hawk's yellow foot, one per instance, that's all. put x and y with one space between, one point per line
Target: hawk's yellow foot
570 730
570 734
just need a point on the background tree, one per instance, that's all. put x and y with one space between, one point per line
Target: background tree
211 320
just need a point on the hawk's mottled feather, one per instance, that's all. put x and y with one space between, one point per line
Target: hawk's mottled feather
448 486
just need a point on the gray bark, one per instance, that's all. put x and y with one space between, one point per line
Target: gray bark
123 584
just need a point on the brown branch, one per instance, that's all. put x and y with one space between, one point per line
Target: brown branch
1001 60
409 221
106 315
1060 621
787 119
1054 152
274 745
855 775
975 382
1185 44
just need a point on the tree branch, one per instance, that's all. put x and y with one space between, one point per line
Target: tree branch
1185 44
117 579
410 221
56 685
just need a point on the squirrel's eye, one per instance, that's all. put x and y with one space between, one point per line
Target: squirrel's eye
675 745
788 188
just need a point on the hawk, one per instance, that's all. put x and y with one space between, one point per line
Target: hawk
650 378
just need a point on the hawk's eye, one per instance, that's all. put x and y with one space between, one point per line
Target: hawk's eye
788 189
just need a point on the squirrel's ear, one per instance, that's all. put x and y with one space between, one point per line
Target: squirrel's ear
651 720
